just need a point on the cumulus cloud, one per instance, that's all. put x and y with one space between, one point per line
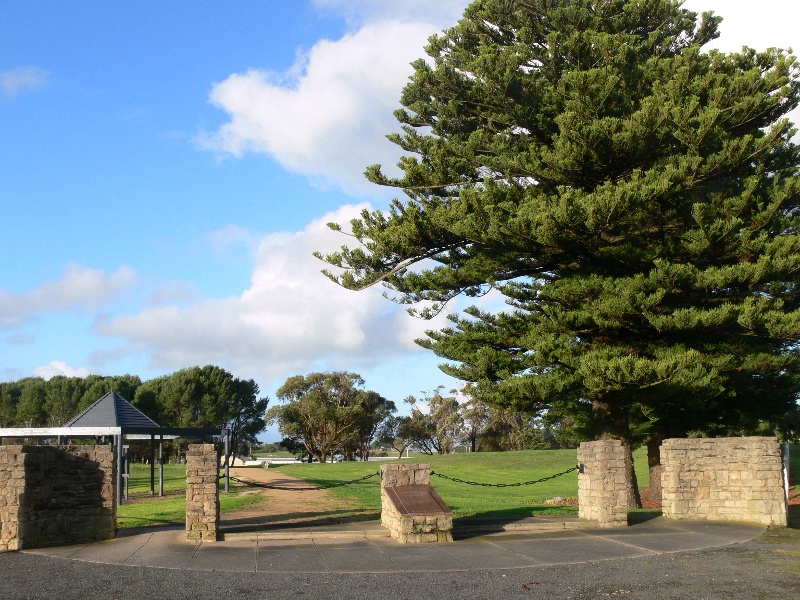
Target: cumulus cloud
58 367
328 115
328 122
78 289
743 26
22 79
290 319
442 13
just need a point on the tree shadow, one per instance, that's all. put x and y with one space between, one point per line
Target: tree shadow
498 521
640 515
297 520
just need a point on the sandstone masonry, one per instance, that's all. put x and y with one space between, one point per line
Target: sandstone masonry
410 508
202 493
56 495
602 482
723 479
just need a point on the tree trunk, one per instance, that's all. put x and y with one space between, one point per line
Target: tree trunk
634 497
614 424
654 464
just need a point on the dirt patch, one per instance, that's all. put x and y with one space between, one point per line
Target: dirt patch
289 501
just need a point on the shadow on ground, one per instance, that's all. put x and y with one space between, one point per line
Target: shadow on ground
296 520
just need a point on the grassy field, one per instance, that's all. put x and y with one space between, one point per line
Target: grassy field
465 500
174 478
143 510
173 509
469 500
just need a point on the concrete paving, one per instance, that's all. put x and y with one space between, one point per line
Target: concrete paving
364 547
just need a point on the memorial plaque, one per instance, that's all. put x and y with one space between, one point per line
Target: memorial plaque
417 500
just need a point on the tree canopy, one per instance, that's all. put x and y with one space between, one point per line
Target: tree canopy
632 197
195 397
327 412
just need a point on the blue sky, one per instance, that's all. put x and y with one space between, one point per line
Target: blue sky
167 168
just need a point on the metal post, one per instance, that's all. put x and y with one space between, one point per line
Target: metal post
225 432
161 465
152 465
119 468
126 461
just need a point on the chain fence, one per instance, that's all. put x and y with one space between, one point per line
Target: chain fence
503 485
300 489
377 473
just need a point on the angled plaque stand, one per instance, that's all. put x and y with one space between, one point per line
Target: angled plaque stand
410 508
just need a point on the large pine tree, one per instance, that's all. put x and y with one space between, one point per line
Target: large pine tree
634 199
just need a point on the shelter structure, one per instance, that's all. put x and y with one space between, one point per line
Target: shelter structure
112 417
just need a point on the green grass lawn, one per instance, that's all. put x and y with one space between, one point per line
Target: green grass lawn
142 510
465 500
139 480
469 500
173 509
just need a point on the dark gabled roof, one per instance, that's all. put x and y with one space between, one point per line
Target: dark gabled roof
112 410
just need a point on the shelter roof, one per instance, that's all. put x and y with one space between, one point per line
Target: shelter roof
112 410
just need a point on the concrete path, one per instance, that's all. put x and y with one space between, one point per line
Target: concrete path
363 548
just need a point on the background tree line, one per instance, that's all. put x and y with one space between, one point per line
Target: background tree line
203 397
327 414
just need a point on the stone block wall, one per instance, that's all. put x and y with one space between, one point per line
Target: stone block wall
433 523
405 474
202 493
602 482
723 479
56 495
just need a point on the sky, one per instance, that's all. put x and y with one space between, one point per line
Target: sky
168 168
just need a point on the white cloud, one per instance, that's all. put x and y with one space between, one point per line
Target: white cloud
58 367
227 237
79 289
772 23
330 121
443 13
327 116
22 79
291 319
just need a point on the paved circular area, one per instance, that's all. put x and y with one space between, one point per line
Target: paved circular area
766 567
324 551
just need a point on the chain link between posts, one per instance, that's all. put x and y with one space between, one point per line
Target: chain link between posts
377 473
295 489
504 485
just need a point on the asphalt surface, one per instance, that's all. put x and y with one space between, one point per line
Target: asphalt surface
653 560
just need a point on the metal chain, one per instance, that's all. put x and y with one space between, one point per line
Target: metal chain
440 475
503 485
288 489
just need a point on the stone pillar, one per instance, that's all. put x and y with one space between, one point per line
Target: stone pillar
603 482
56 495
411 509
202 493
723 479
12 488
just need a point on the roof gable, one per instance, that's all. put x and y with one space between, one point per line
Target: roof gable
112 410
